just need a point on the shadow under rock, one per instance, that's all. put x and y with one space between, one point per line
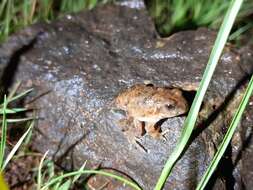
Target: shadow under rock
11 68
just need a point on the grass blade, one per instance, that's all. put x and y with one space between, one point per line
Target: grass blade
12 111
20 95
39 180
225 142
19 120
16 147
14 90
3 135
193 113
2 6
7 19
125 181
241 30
77 176
65 186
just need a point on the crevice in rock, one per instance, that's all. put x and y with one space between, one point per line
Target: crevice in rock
189 96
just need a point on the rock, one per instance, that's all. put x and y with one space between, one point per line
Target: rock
243 150
136 4
78 64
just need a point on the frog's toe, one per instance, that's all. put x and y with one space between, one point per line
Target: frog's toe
163 134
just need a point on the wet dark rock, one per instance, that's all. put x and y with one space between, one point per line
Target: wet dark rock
137 4
77 66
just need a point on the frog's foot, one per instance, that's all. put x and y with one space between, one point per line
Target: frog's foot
163 134
159 135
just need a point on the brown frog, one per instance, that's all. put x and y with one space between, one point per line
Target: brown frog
145 105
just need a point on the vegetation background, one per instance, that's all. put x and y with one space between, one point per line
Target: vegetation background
169 15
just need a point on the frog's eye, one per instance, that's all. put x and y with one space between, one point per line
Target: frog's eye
149 85
170 106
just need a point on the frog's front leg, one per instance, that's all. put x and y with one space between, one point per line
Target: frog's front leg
155 131
139 127
136 130
152 129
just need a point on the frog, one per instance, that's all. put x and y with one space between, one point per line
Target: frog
146 105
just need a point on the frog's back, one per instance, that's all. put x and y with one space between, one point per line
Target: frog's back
129 96
140 98
147 102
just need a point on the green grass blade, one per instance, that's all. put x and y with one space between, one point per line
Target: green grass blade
7 19
193 113
65 186
12 111
12 98
123 180
241 30
13 90
77 176
225 142
39 180
16 147
20 95
19 120
3 135
2 6
56 186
